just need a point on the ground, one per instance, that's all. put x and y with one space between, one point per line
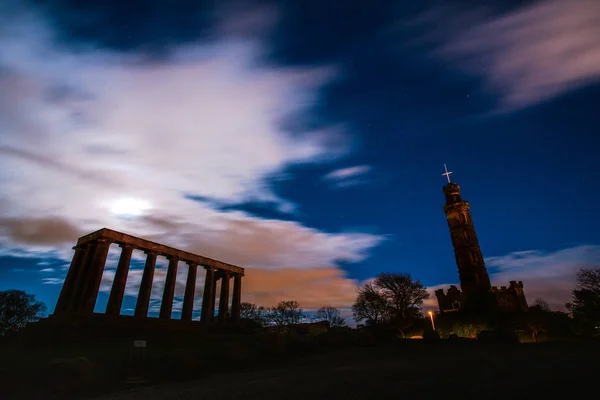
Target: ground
403 370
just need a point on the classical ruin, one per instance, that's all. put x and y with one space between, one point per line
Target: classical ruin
81 286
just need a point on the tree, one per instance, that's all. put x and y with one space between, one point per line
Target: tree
540 305
585 306
391 297
251 312
370 306
538 318
285 315
404 297
332 316
17 309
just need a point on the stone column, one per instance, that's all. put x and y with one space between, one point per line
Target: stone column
75 303
208 296
166 306
224 300
236 298
143 300
69 286
115 299
94 278
213 299
190 289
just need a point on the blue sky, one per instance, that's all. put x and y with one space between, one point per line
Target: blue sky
304 141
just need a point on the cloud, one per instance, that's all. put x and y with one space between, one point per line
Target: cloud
312 288
547 275
46 231
531 54
86 135
52 281
350 176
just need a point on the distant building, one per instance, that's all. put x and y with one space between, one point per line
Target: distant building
475 288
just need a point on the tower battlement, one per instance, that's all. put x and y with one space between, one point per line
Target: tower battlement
449 300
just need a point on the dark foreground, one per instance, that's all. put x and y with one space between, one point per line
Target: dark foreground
408 369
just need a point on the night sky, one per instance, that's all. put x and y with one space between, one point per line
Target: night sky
302 140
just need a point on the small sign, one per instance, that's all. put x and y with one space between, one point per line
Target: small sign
139 343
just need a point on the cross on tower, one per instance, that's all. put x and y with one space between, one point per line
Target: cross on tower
447 174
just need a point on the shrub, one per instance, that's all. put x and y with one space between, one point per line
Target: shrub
467 330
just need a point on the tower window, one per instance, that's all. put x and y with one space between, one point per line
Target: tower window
467 235
463 219
474 257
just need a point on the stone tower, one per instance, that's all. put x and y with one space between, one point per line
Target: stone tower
471 268
476 294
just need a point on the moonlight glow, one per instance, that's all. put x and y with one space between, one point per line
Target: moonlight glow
130 207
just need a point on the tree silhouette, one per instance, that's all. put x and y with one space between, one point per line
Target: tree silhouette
285 315
541 305
537 318
370 306
585 306
391 297
17 309
331 315
404 296
252 312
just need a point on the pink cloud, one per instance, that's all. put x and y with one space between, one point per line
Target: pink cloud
532 54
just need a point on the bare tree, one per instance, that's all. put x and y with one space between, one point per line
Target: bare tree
285 315
332 316
541 305
17 309
252 312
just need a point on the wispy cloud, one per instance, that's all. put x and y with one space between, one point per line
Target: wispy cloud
547 275
92 132
350 176
52 281
533 53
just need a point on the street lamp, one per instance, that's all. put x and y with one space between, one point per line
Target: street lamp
431 316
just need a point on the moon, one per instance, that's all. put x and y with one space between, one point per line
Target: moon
130 206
